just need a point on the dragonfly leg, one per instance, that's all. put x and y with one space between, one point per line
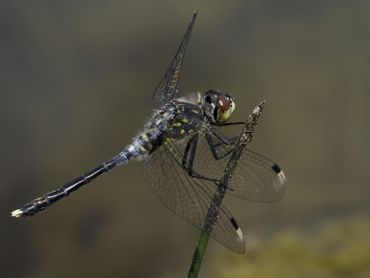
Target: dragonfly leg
236 123
223 138
188 160
213 148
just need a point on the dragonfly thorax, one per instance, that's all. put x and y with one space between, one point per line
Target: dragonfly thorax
218 106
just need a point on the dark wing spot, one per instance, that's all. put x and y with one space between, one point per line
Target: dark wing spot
234 223
276 168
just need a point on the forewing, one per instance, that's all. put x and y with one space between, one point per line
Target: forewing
256 178
188 197
167 87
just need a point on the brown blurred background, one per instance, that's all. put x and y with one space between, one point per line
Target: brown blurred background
76 81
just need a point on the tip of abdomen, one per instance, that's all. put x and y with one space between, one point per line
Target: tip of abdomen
17 213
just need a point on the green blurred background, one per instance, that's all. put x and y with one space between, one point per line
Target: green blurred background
76 80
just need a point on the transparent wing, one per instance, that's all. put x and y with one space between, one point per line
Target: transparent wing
256 178
188 197
167 87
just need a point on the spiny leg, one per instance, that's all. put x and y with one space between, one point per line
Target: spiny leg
188 159
236 123
223 139
213 148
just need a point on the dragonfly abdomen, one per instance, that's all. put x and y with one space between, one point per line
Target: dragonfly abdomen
50 198
145 143
141 145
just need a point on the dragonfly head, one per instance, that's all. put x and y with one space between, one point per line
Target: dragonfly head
218 106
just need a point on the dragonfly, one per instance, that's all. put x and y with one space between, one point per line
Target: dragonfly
184 152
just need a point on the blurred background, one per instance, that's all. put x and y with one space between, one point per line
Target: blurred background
76 83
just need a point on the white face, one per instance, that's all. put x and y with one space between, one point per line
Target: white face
218 106
226 108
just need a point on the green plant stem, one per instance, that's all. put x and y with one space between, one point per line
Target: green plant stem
199 254
244 138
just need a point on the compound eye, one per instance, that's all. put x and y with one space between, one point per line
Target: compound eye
224 102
